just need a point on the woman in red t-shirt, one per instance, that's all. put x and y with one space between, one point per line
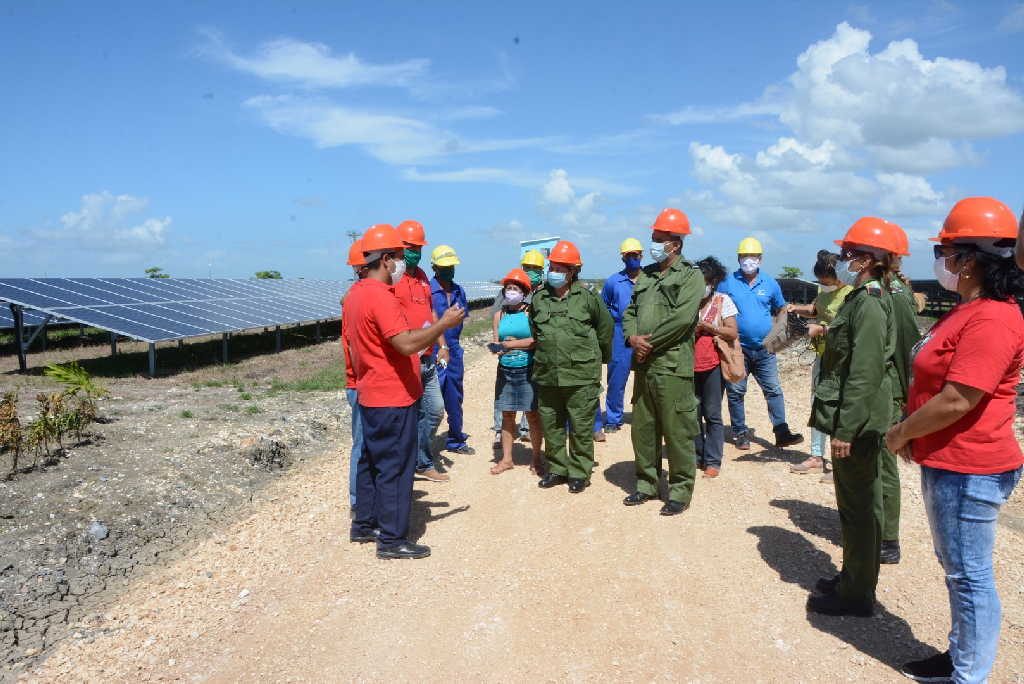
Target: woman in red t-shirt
717 318
959 426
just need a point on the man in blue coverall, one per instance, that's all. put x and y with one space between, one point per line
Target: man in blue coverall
758 298
445 293
617 294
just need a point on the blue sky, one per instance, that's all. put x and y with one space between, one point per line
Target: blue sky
224 138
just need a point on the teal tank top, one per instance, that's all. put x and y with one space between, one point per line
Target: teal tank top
515 326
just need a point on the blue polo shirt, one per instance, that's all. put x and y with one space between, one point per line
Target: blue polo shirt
441 301
617 293
757 302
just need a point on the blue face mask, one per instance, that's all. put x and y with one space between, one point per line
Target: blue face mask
845 275
557 279
658 252
632 263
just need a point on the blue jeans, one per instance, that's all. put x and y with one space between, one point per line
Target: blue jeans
765 369
962 511
710 440
357 445
819 440
430 414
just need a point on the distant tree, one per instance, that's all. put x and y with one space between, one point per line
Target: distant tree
156 272
268 275
790 272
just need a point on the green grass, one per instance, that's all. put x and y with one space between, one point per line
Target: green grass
245 396
187 414
253 410
229 407
325 379
476 325
208 383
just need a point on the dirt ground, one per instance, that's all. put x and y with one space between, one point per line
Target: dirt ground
527 584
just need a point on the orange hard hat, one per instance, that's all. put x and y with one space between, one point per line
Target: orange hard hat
381 237
871 231
412 233
979 217
355 254
564 252
519 277
903 240
672 221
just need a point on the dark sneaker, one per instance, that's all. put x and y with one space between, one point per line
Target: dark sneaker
362 537
827 585
832 604
637 498
405 550
577 485
785 438
743 442
938 668
889 554
612 428
673 508
465 449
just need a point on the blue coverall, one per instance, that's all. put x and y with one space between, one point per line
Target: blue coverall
617 294
451 377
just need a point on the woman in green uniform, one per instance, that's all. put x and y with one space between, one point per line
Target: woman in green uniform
853 405
572 334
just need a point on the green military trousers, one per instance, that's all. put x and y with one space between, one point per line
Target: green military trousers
664 408
576 406
890 468
859 499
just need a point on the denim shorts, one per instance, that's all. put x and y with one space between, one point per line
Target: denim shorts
514 390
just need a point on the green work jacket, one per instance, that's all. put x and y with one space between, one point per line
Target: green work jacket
665 306
854 395
908 334
572 337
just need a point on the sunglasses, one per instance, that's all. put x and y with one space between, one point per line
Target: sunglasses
943 251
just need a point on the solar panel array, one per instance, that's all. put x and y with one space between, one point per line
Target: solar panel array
478 291
30 318
155 310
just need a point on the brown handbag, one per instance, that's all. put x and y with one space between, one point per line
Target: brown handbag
730 354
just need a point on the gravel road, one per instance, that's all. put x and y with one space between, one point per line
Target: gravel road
532 585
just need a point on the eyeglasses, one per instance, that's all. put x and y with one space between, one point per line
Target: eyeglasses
850 255
943 251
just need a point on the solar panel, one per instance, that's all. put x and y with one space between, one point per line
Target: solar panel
31 318
155 310
478 291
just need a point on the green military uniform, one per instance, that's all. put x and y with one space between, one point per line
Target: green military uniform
904 312
573 338
664 306
853 403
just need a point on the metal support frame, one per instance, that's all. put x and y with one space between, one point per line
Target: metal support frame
277 339
40 329
224 342
19 334
317 331
113 344
152 359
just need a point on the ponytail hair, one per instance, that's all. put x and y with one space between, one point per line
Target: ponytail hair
825 266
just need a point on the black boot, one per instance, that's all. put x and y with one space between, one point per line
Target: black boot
784 438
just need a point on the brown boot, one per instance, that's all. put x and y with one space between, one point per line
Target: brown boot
433 475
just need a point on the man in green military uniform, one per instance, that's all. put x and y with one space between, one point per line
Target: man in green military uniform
659 325
904 314
853 404
572 333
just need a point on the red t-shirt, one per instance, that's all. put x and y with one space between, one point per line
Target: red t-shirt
413 291
979 344
705 354
350 372
371 317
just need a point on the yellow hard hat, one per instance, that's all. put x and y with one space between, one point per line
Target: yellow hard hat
630 245
533 257
750 245
444 255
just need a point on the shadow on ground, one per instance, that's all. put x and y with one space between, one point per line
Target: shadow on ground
886 637
423 513
812 518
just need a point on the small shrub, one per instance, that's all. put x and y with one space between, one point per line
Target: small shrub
245 396
186 414
253 410
10 429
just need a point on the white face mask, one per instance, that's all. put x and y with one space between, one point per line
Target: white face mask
844 273
513 296
948 280
828 288
657 251
399 271
708 290
750 265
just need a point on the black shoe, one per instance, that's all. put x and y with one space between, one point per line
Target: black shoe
743 442
938 668
404 550
551 480
831 604
827 585
612 428
784 438
358 537
465 449
577 485
637 498
889 554
673 508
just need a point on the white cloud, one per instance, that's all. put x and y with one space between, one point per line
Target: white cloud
311 65
1013 22
105 221
906 195
713 115
473 175
470 113
573 211
392 138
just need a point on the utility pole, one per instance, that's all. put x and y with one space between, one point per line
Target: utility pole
353 235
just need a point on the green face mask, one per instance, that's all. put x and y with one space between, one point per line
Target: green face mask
412 259
446 274
536 277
